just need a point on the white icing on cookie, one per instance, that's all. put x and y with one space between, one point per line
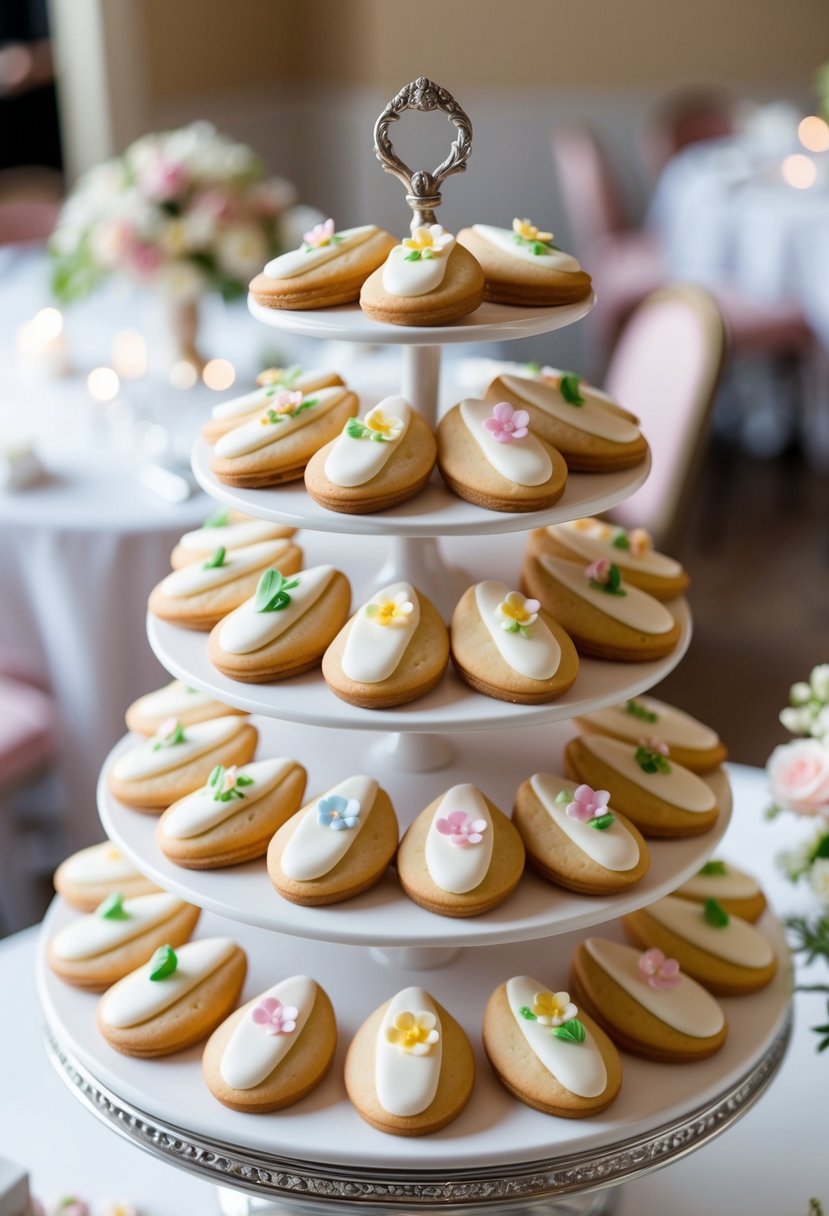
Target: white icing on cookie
136 998
149 760
354 461
524 461
194 579
734 884
672 726
613 847
594 417
680 787
260 432
738 942
206 540
688 1008
245 630
201 811
402 277
315 847
578 1067
174 700
537 657
92 935
636 608
254 402
101 863
593 539
406 1083
299 261
458 868
373 649
251 1054
503 239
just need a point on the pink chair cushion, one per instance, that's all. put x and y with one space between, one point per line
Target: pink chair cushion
31 220
27 723
767 328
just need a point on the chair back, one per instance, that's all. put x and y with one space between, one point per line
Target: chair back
32 220
665 368
587 187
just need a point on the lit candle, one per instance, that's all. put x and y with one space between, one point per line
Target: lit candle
41 345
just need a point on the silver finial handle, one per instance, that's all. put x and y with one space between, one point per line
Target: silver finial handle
423 187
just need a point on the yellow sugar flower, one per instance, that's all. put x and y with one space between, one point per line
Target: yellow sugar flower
383 424
553 1008
528 231
414 1033
584 525
640 542
395 611
429 241
518 611
271 375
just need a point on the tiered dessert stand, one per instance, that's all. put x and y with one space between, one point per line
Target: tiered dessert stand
499 1155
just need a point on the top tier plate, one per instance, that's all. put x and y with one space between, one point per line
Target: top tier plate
489 323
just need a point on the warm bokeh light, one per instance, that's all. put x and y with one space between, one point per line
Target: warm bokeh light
103 384
813 133
47 324
799 171
183 374
129 354
218 374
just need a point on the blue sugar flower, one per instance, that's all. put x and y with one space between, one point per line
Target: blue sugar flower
338 813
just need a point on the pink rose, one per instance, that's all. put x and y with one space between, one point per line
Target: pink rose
162 179
146 259
799 776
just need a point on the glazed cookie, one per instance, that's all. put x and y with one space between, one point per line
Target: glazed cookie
646 1005
507 647
284 629
592 435
232 818
658 795
86 878
725 953
691 744
461 856
605 617
329 268
98 949
228 529
274 1050
376 462
523 266
632 550
276 445
575 839
392 651
174 1000
547 1052
428 279
488 456
174 700
178 759
735 891
273 380
338 845
410 1068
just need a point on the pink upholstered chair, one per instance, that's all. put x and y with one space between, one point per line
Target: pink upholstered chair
31 220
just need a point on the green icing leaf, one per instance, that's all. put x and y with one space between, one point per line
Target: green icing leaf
163 963
572 1031
527 1013
272 592
602 822
220 520
414 256
564 796
175 736
244 780
638 710
112 908
356 429
216 782
715 914
534 368
218 559
303 406
713 869
570 387
620 541
613 586
650 761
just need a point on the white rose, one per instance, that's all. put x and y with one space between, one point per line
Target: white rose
800 693
181 279
820 726
819 878
797 720
819 680
241 251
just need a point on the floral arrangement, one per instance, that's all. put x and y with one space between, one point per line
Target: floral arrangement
188 211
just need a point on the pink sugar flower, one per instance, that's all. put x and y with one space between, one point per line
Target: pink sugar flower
275 1017
587 804
285 402
462 829
653 744
506 423
320 234
659 971
599 571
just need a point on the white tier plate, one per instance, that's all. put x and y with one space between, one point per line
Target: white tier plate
494 1129
435 511
489 323
385 916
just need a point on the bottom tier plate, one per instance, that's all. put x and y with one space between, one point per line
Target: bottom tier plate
497 1153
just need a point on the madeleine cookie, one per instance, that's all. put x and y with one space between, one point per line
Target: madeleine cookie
605 617
575 839
645 1004
199 595
98 949
523 266
276 445
592 435
547 1053
228 414
507 647
392 651
461 856
658 795
338 845
284 629
228 529
410 1068
175 700
589 540
427 279
489 457
274 1050
691 744
725 953
179 759
735 891
174 1000
232 818
329 268
86 878
376 462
